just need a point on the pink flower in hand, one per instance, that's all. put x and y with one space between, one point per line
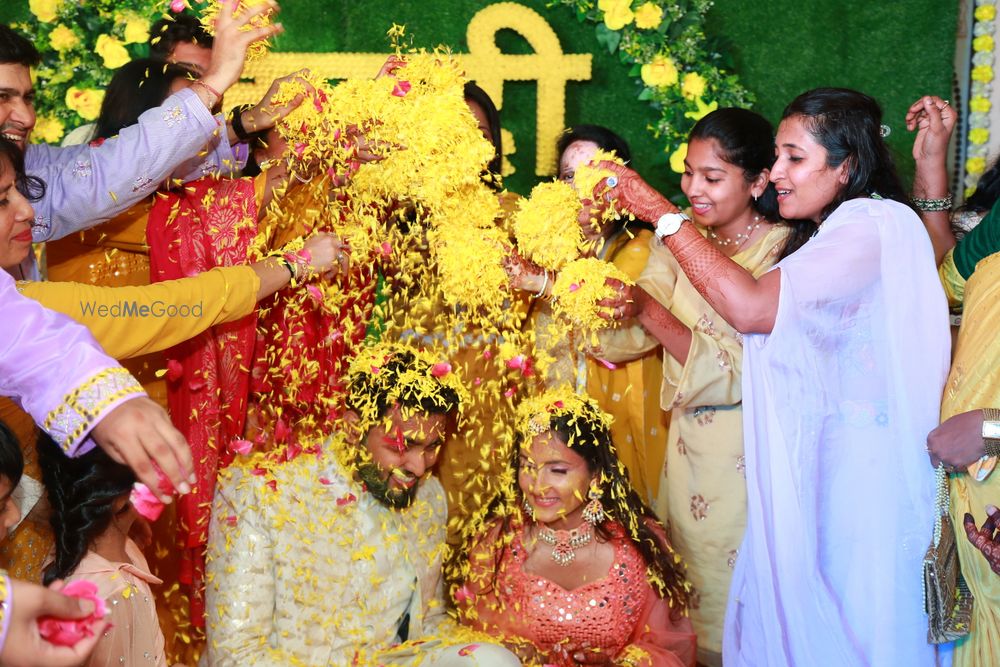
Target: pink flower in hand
67 632
145 502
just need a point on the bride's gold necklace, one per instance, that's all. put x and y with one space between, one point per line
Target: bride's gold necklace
565 543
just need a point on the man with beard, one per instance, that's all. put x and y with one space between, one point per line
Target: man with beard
332 555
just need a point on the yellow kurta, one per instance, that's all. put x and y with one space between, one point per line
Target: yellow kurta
629 391
974 383
702 495
225 294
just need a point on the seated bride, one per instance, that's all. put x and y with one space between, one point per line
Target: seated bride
569 566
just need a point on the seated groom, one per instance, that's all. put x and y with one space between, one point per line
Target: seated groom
334 557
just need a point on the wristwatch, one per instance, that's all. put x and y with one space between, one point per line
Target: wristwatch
991 431
669 224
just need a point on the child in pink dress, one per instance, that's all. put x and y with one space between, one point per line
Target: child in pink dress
91 520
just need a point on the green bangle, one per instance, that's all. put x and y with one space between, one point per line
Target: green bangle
934 205
292 272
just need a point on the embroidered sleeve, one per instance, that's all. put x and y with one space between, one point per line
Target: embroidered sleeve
90 184
6 602
83 407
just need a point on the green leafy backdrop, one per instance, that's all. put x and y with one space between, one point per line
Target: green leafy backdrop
895 50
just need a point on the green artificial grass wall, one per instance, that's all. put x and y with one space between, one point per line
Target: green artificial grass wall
895 50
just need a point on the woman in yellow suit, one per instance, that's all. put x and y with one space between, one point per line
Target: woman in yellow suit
703 487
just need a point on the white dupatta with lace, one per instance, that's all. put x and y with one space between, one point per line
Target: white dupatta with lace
837 402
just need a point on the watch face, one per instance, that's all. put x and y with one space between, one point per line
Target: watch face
991 430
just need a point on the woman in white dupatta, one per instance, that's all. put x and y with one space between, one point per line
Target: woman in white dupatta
846 353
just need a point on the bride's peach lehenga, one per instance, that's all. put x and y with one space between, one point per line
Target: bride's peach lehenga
621 614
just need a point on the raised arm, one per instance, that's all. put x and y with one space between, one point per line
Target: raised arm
934 120
88 185
749 304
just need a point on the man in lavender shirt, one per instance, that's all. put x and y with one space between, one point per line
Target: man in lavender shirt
181 139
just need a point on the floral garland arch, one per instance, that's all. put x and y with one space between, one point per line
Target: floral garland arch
677 68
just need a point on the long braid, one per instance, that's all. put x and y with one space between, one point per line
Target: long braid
81 492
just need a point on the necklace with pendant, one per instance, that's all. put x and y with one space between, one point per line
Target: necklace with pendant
565 543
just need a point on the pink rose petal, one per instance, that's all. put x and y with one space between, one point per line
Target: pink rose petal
441 369
386 248
175 370
315 293
346 500
145 502
67 632
231 520
241 447
177 6
401 88
467 650
574 287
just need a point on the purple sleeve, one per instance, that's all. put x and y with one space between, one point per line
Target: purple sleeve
57 371
87 185
6 607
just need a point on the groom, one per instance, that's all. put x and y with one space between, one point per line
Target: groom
334 557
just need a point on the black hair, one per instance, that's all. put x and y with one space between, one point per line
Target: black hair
378 389
81 493
474 93
848 124
16 49
747 141
32 187
170 31
135 88
11 459
602 136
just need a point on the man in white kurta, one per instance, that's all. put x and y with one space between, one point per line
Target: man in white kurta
310 565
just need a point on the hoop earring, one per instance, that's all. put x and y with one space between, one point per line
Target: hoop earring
593 513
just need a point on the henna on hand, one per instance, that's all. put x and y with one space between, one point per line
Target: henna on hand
986 539
636 195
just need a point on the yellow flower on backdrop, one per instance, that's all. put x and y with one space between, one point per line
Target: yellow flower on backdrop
659 73
975 165
617 13
45 10
693 86
136 30
85 101
62 38
982 43
112 51
980 104
677 158
979 135
49 130
986 12
982 73
648 16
